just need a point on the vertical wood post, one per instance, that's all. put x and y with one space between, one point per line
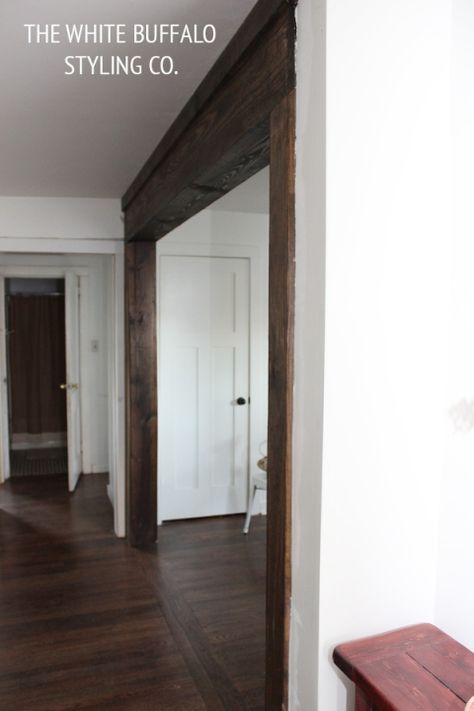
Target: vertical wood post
140 288
280 404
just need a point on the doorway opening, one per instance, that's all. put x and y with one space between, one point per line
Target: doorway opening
40 357
212 277
92 287
36 370
212 328
239 120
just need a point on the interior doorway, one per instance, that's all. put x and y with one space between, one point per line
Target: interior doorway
239 120
212 327
36 369
40 403
212 276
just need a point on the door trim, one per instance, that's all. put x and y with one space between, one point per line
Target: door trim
33 272
241 118
116 376
74 332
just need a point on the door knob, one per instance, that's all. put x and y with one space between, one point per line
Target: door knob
241 401
73 386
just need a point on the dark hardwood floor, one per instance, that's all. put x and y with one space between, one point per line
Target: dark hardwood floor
88 623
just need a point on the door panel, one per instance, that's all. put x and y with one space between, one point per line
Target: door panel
203 369
223 421
73 380
184 455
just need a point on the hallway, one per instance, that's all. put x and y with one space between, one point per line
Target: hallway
88 623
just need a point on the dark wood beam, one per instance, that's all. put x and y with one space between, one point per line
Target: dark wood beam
247 157
228 128
141 393
240 118
257 20
280 403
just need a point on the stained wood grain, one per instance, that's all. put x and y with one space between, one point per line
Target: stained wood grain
89 623
240 117
452 664
249 155
217 617
418 668
238 108
361 703
257 21
280 404
142 445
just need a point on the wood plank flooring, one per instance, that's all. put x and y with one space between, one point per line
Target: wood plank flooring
88 623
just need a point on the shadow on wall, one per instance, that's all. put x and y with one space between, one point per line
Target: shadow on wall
346 689
462 415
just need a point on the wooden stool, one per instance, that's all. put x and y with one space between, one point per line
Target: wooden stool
413 669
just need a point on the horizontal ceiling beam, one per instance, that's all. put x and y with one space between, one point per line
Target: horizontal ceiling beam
222 136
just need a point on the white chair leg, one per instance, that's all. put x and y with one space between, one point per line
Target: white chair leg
249 510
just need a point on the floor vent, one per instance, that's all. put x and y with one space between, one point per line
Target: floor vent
38 462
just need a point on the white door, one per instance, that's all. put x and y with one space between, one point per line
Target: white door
4 435
72 377
203 375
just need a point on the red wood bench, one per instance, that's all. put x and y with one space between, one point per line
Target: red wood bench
413 669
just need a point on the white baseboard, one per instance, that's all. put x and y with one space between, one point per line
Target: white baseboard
110 493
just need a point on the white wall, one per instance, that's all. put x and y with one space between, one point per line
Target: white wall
455 609
217 226
375 210
60 219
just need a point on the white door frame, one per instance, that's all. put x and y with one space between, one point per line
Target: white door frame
254 254
116 384
116 378
73 287
28 272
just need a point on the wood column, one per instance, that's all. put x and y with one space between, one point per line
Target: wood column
140 294
280 404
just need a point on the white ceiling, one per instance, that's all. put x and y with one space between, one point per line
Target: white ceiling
89 136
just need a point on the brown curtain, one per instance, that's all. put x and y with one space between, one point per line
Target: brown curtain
37 363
